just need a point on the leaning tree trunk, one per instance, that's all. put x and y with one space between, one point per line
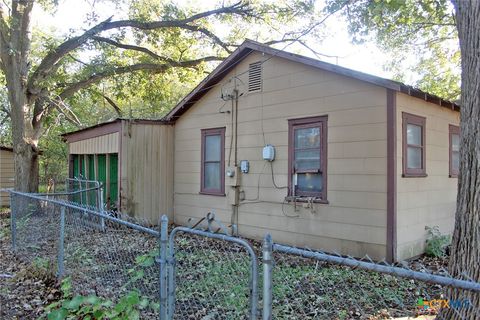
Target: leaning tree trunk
15 41
24 136
465 256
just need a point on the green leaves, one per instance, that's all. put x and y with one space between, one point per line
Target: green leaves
59 314
420 37
93 307
73 304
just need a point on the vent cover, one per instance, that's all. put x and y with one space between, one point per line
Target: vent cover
255 77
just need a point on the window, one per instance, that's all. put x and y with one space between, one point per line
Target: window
213 161
413 146
307 160
454 133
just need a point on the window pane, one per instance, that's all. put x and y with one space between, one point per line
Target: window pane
307 159
309 182
455 161
307 138
414 134
212 148
212 176
455 142
414 158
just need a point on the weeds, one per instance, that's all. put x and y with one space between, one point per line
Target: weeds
437 243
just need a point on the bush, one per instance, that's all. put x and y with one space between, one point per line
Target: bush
437 243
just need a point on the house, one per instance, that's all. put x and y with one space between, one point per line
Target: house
132 159
315 154
7 174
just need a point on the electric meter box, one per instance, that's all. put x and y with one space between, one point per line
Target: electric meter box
269 152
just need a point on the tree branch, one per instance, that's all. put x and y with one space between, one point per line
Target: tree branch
240 8
128 47
50 63
113 104
151 67
149 52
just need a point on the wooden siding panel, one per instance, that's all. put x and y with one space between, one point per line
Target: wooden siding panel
147 171
356 158
7 174
427 201
103 144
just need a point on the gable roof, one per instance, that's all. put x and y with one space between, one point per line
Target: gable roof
249 46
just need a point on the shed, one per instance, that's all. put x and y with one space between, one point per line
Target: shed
315 154
134 161
7 174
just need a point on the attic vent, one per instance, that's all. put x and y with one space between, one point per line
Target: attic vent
255 77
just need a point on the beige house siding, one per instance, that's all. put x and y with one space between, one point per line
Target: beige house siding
354 221
102 144
425 201
7 173
146 171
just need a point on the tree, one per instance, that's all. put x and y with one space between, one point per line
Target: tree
465 253
420 36
156 38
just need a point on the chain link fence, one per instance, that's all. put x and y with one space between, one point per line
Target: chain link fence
104 256
207 274
213 276
306 284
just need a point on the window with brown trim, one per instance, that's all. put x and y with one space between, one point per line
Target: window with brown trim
213 162
307 158
413 140
454 150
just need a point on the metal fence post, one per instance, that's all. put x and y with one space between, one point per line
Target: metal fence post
100 205
267 277
61 268
163 268
171 275
13 222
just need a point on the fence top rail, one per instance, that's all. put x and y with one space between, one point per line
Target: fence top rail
218 236
82 180
370 266
87 210
66 193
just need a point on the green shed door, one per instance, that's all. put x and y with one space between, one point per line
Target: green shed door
102 173
91 176
113 179
75 165
91 167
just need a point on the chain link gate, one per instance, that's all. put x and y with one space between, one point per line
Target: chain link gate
209 275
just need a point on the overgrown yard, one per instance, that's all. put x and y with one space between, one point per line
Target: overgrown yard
212 277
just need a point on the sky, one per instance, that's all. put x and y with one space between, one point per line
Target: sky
71 14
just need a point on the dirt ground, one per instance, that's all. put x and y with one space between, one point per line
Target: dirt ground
24 289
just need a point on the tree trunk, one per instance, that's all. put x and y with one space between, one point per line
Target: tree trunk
26 167
465 253
15 48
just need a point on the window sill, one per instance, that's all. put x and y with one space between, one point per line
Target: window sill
212 193
414 175
306 200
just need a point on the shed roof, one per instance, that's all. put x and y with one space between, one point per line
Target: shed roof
249 46
6 148
113 123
